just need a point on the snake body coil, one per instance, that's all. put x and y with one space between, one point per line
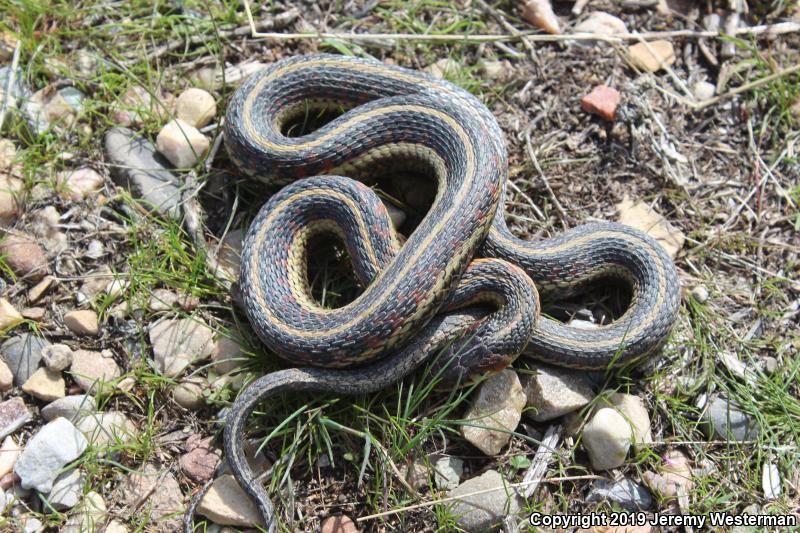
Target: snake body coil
390 116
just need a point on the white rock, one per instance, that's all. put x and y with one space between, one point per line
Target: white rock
447 472
55 445
771 481
95 249
483 501
88 516
9 452
177 343
635 413
79 184
618 423
553 392
67 490
32 525
499 403
93 370
57 356
182 144
72 408
116 288
607 437
45 384
700 293
703 90
227 504
196 107
601 23
101 429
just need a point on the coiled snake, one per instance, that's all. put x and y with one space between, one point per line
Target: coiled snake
419 297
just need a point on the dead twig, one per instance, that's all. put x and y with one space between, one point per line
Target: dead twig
535 161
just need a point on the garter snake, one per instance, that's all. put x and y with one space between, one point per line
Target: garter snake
393 116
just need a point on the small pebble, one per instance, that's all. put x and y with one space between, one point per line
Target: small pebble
91 370
82 322
24 256
182 144
703 90
57 356
33 313
38 290
196 107
601 23
79 184
700 293
46 385
652 56
602 101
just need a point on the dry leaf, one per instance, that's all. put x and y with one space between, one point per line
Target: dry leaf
641 216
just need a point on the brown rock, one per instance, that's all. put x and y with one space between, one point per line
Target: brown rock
24 256
93 369
83 322
157 495
338 524
495 412
200 463
652 56
9 452
34 313
196 107
602 101
38 290
45 384
80 183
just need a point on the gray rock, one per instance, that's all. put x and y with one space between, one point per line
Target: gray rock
88 516
102 429
498 405
479 512
625 492
552 392
13 415
57 356
72 408
137 166
724 420
227 504
54 446
161 494
67 490
22 354
177 343
447 472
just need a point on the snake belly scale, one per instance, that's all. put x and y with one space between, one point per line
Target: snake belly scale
417 297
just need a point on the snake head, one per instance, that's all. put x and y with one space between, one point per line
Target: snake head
463 361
